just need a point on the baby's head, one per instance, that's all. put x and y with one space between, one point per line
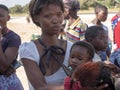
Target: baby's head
81 51
98 37
94 74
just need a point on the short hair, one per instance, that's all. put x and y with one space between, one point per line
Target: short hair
73 5
4 7
88 46
99 7
93 32
36 6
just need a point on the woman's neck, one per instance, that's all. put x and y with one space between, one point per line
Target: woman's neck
49 40
5 30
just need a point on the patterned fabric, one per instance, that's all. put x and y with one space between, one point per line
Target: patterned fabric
75 85
116 29
115 57
76 31
12 82
114 21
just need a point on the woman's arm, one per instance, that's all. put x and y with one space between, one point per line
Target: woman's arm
36 77
34 74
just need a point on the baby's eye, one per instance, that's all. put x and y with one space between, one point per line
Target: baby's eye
48 16
79 59
59 14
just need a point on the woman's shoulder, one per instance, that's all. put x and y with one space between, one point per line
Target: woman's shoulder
27 45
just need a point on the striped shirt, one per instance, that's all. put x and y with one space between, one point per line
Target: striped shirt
76 31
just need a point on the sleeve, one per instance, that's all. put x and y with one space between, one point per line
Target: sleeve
29 51
14 41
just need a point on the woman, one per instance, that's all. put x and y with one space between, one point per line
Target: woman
42 58
9 44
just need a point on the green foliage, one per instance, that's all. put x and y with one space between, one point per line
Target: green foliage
86 4
19 9
25 8
16 9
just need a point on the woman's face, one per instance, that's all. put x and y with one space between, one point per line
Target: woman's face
4 17
101 41
50 19
102 15
78 54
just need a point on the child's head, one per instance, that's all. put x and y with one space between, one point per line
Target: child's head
98 37
71 6
93 74
101 12
4 15
36 7
81 51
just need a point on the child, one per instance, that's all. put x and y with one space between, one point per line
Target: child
101 12
91 76
98 37
9 44
75 28
81 51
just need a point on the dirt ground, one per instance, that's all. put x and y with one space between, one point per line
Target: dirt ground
25 30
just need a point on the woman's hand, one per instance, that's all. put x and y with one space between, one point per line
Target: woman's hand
9 71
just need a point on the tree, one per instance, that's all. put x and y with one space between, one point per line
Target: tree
16 9
25 8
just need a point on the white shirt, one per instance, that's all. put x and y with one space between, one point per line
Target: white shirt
29 51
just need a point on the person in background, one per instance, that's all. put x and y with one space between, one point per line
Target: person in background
115 21
81 51
101 12
97 37
45 57
9 44
75 28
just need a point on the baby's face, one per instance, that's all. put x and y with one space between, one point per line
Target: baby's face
78 54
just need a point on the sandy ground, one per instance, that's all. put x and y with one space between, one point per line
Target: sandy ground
25 30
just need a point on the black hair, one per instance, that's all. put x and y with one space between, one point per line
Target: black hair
88 46
93 32
4 7
36 6
105 77
74 5
99 7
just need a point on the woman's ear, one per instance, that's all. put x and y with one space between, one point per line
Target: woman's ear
36 20
8 17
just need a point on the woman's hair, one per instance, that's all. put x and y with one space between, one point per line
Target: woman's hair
93 32
93 74
100 7
36 6
88 46
4 7
73 5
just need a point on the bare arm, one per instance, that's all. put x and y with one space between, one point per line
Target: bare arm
7 58
36 77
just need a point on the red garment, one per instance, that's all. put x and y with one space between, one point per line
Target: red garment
116 32
67 84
